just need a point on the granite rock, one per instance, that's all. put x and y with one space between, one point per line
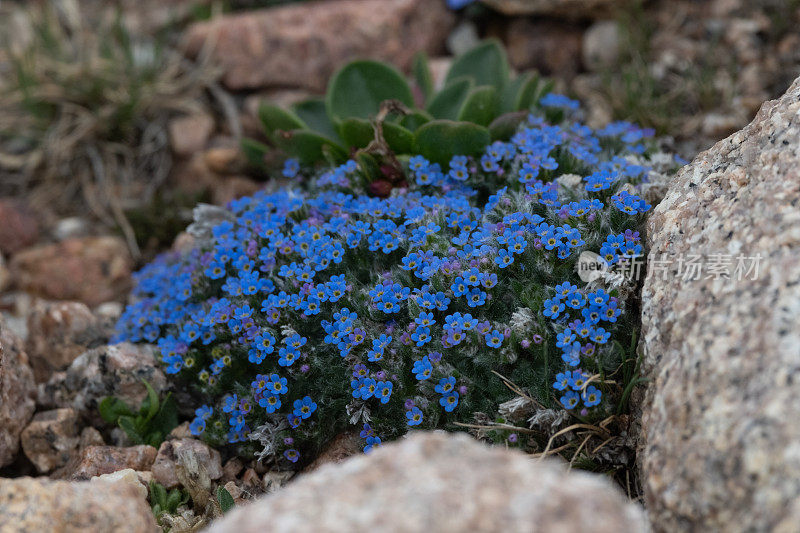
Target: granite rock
166 462
19 226
58 332
440 482
98 460
721 419
51 438
113 370
17 393
574 9
91 270
301 45
28 504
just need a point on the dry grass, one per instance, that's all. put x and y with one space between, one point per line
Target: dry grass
84 108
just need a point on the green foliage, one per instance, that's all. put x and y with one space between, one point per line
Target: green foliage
162 501
150 424
439 140
363 95
225 499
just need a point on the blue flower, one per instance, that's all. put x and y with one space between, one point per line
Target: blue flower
303 408
494 339
446 385
422 369
449 401
292 455
372 443
383 391
414 416
290 168
570 400
591 396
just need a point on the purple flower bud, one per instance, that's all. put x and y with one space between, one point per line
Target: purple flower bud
305 368
591 217
584 412
462 389
381 374
512 438
537 339
288 441
525 343
409 403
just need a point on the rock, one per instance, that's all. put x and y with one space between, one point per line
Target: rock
463 38
551 47
39 504
71 228
601 45
114 370
127 476
17 393
19 227
301 45
168 458
51 438
231 469
233 187
563 8
189 134
91 270
90 437
225 159
344 445
722 422
97 460
5 274
58 332
440 482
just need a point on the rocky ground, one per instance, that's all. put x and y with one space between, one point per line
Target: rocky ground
726 459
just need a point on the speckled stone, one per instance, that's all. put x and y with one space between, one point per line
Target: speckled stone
98 460
28 505
17 393
722 419
444 483
166 462
51 438
302 44
113 370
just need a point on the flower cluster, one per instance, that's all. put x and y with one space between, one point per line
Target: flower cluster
311 310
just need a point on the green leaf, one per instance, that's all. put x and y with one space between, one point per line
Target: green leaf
359 133
308 146
359 88
356 132
504 126
531 93
112 408
130 428
486 64
254 152
150 404
399 139
314 113
158 494
509 96
440 140
422 74
167 417
225 499
369 166
276 119
480 107
447 102
415 119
